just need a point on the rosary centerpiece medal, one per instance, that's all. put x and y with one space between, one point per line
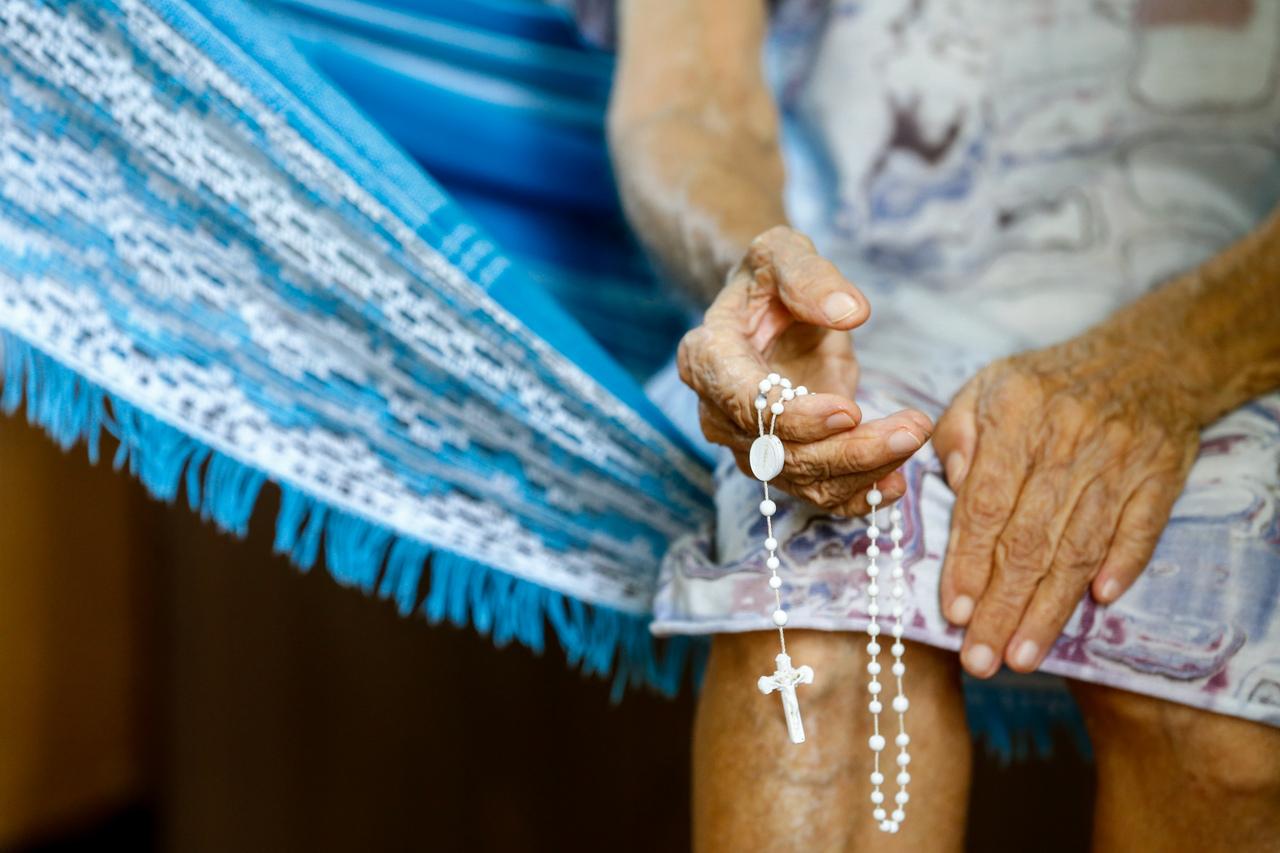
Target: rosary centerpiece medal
767 458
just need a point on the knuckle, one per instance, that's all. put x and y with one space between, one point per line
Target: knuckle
820 494
1024 545
1005 603
686 353
1120 433
1081 552
761 248
852 458
984 508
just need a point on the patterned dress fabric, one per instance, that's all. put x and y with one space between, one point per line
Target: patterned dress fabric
998 177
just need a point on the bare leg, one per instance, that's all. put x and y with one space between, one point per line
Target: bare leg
1176 778
754 790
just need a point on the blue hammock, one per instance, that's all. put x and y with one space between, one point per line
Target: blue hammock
211 251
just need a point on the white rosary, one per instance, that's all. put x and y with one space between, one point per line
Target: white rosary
766 460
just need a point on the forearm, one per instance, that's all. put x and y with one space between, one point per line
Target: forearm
1217 328
693 132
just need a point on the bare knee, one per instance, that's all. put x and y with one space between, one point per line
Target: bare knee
1215 754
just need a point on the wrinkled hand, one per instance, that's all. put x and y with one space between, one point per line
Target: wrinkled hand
1066 463
787 309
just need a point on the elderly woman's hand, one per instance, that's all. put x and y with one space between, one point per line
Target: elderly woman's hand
787 309
1066 463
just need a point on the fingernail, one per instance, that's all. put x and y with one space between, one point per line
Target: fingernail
961 609
840 420
1110 589
1026 654
978 659
839 306
902 441
955 469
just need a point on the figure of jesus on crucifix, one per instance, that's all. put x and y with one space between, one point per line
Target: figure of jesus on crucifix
784 680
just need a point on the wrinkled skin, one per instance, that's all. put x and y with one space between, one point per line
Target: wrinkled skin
788 309
1066 463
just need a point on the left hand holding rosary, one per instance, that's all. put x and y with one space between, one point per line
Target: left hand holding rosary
785 305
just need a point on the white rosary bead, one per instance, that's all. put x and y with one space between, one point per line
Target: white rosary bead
772 563
893 822
761 402
801 390
776 408
774 379
768 507
779 617
788 394
771 544
775 582
765 386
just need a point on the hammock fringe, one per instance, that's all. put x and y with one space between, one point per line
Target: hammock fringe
358 553
1030 721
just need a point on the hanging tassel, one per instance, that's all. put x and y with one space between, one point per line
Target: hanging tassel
357 552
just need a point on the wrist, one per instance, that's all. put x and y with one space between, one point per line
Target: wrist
1156 354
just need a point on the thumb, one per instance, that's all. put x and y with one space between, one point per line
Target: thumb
956 436
810 286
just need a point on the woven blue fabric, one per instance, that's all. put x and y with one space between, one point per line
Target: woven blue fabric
209 253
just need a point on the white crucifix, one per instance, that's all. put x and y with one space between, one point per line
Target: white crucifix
785 681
